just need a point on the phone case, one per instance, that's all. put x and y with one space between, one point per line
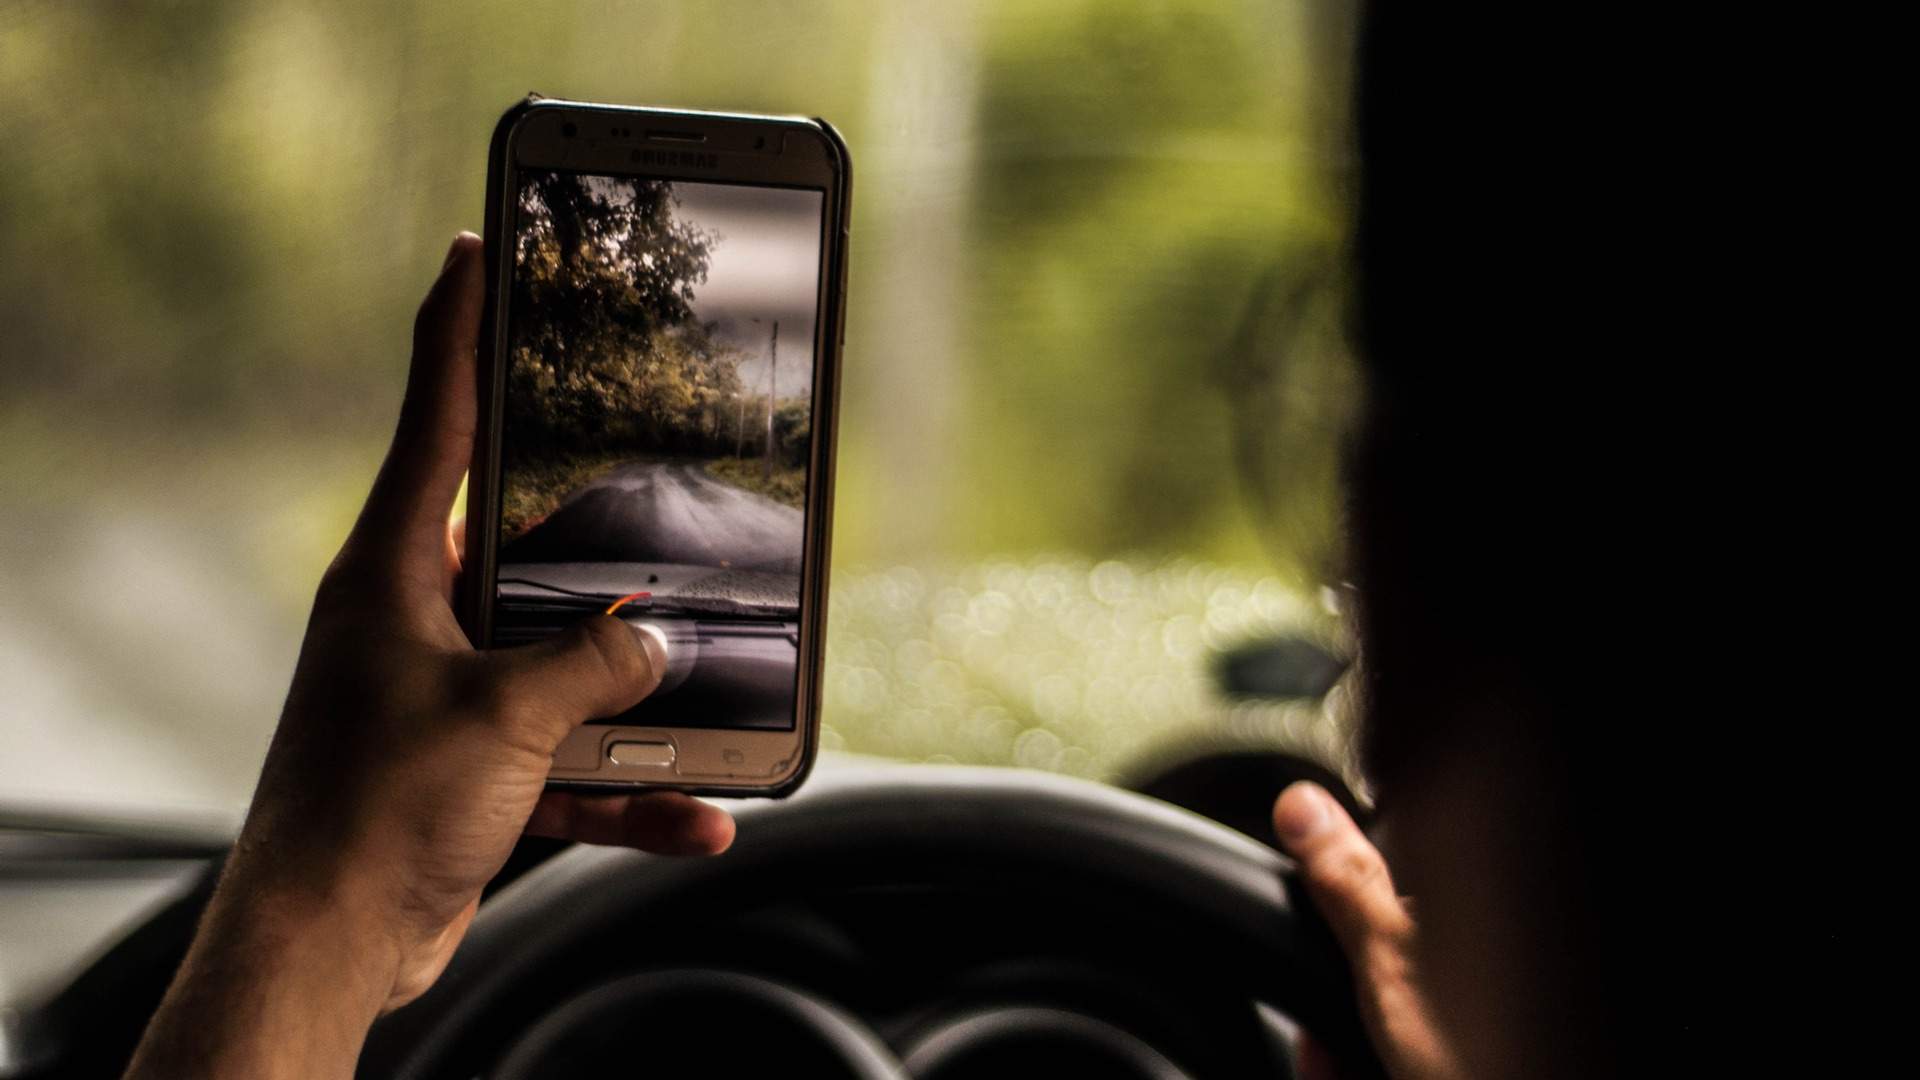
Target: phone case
484 478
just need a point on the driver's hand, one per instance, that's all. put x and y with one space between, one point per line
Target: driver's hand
1349 883
405 766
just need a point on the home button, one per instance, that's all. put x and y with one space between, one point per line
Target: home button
657 754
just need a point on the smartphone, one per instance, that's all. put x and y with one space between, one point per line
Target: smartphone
658 374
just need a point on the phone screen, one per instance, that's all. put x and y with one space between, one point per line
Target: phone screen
657 429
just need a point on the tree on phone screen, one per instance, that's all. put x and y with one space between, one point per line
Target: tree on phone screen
607 350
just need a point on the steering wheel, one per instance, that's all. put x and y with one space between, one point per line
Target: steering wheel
609 959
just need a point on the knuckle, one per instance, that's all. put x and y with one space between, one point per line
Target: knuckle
620 656
1350 868
344 585
1385 966
363 569
335 589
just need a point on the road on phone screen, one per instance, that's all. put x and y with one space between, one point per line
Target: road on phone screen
665 512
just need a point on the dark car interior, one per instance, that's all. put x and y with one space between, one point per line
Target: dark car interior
889 921
1150 390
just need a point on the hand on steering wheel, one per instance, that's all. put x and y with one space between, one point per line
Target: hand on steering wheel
1349 882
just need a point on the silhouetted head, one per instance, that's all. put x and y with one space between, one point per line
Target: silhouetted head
1498 536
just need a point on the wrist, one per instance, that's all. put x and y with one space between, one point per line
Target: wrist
344 940
279 982
312 889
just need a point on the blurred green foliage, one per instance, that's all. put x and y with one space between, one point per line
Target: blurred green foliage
218 216
1094 295
1153 168
1096 669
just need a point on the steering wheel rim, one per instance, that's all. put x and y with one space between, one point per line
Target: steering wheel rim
855 816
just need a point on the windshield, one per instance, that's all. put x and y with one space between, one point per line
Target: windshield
1093 397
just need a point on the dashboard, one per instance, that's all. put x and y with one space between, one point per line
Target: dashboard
889 921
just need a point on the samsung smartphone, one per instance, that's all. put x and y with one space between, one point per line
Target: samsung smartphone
665 301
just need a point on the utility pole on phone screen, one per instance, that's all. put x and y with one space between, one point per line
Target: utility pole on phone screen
773 366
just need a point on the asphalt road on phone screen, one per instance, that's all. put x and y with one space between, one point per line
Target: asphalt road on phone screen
665 512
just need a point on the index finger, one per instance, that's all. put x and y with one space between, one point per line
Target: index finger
406 512
665 822
1342 869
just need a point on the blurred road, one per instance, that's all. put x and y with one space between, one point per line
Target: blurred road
665 512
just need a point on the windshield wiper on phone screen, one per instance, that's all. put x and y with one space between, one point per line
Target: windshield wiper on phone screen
564 599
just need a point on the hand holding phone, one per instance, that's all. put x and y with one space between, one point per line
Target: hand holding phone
657 401
403 769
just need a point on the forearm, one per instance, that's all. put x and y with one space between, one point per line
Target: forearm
272 987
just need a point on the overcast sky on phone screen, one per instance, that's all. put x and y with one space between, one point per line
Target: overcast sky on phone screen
765 266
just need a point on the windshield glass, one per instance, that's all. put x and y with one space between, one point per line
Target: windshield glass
1093 396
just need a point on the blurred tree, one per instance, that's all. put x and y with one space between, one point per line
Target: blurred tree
1145 184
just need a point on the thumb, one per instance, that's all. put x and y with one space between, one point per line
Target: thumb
1343 870
598 669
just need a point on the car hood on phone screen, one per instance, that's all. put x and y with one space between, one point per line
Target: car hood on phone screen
668 587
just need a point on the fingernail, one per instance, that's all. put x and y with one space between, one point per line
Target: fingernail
1304 811
654 640
453 249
